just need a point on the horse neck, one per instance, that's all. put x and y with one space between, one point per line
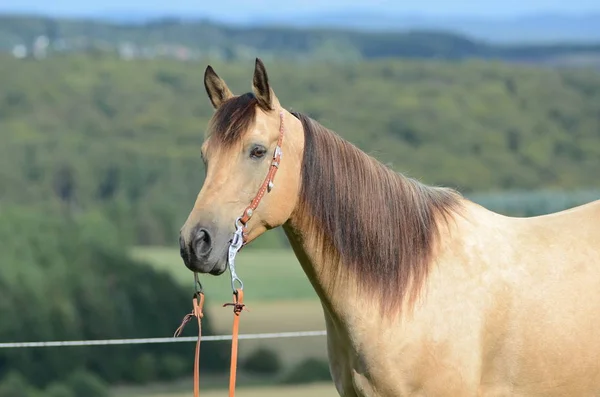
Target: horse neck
362 233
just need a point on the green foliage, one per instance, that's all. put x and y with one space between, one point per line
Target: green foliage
307 371
14 384
144 368
172 366
85 384
67 279
59 390
262 361
120 140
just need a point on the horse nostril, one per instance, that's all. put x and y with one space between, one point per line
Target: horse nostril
202 243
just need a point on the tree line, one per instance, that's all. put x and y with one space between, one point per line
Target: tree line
71 278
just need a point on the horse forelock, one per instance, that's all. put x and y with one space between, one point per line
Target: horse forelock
379 225
232 119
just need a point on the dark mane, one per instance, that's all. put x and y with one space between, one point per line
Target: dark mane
378 223
232 119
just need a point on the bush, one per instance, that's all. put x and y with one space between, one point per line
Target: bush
15 385
173 367
262 361
86 384
307 371
59 390
144 368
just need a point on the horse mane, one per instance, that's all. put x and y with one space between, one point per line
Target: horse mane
376 223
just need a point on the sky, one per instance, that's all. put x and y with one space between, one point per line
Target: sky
240 10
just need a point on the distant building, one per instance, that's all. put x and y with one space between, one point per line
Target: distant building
182 53
19 51
40 47
127 51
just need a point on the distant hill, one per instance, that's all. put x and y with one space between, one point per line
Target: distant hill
173 37
538 28
533 28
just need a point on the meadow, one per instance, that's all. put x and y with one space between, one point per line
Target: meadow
268 274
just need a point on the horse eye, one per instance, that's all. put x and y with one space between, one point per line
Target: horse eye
258 152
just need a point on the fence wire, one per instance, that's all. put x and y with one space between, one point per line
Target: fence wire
135 341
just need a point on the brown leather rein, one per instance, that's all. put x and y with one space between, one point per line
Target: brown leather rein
239 239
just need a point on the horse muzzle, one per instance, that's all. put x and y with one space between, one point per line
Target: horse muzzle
205 251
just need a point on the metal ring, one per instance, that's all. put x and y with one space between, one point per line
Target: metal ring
233 280
238 223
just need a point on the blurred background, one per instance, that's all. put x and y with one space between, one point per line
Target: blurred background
103 111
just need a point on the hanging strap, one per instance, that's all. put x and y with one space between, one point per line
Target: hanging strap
238 306
197 305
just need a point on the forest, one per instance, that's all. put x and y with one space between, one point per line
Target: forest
99 154
123 138
70 278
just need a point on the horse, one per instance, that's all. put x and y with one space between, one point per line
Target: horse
424 292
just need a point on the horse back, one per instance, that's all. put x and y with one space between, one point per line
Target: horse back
547 340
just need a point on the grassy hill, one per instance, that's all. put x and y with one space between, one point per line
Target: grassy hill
123 138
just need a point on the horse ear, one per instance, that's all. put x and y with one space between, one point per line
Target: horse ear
217 90
260 86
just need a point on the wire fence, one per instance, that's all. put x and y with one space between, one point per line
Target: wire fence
135 341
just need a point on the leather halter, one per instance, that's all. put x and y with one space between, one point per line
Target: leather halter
267 184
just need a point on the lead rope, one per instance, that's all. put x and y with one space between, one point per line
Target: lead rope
238 301
197 306
238 306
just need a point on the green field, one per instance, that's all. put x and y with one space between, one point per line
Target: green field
268 275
